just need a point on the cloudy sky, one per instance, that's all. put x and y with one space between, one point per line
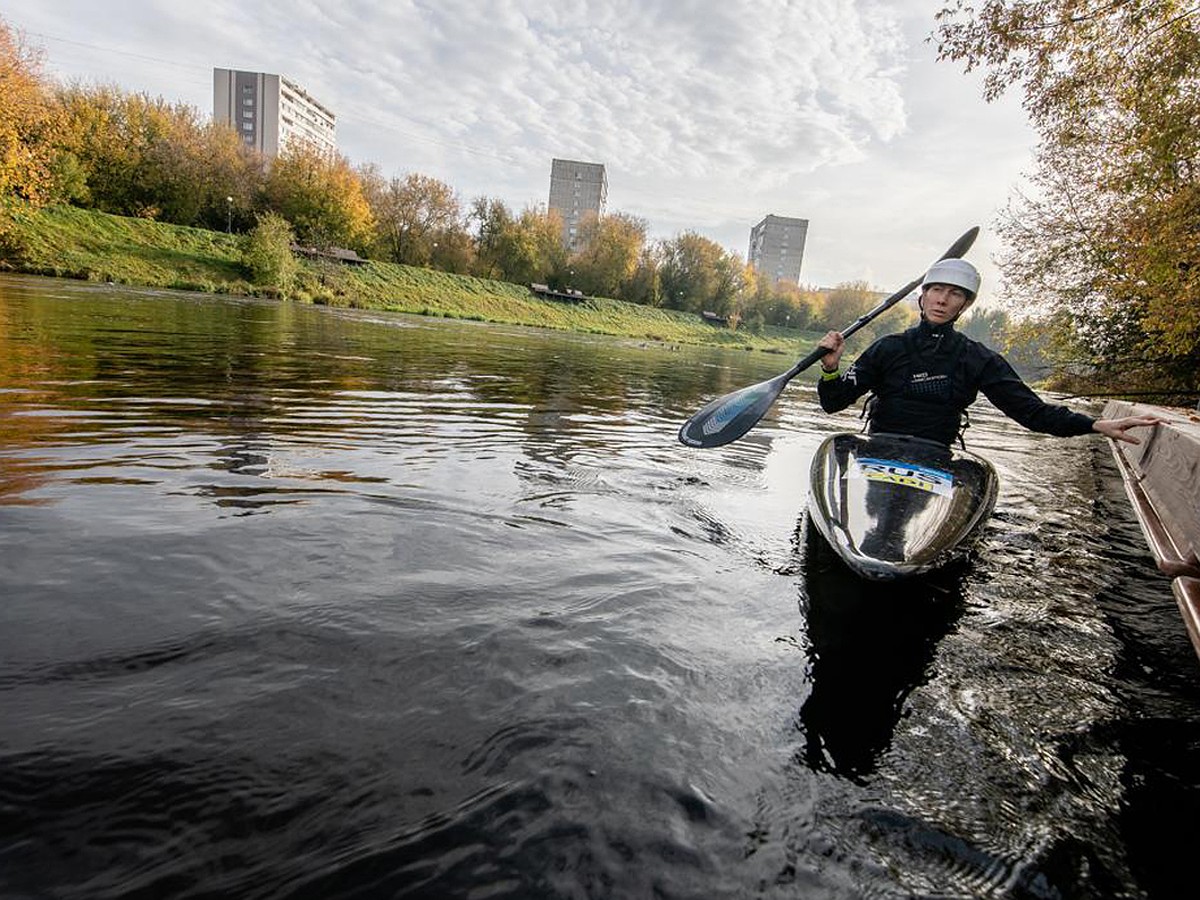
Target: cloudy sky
708 114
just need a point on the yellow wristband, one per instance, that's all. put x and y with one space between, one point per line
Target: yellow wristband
829 376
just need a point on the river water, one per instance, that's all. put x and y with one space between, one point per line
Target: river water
301 602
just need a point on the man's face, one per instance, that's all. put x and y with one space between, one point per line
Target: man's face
942 302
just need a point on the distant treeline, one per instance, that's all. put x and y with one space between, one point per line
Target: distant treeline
100 148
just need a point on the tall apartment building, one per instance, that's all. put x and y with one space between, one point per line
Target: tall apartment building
270 110
777 248
577 190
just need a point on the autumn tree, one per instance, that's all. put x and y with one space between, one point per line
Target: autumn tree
782 303
1108 236
414 216
200 172
28 129
1027 343
645 284
533 248
119 140
143 156
767 301
453 250
846 302
1046 351
490 218
612 246
321 195
697 274
755 306
795 306
521 249
233 179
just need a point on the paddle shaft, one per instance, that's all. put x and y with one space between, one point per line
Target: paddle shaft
864 319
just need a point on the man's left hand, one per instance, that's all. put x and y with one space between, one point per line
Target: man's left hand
1116 428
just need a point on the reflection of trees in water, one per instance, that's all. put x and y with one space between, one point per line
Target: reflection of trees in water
25 466
126 365
869 645
143 371
568 386
19 478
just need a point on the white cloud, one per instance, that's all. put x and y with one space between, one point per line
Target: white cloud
707 113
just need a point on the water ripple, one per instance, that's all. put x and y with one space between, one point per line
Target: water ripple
300 602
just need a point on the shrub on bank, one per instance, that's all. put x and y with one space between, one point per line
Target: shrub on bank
267 254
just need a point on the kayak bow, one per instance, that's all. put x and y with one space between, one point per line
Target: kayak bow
894 506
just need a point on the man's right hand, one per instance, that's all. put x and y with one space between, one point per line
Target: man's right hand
835 344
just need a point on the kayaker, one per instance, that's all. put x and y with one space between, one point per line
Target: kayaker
924 379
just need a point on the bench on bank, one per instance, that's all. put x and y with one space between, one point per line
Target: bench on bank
570 295
338 254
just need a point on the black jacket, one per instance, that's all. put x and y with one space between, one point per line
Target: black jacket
926 377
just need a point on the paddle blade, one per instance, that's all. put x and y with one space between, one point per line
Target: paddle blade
960 247
729 417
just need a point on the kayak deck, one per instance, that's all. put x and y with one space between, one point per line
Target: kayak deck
893 506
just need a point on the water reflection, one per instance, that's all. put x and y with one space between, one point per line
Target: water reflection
250 383
357 604
869 645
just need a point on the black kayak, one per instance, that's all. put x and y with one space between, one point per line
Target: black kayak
894 506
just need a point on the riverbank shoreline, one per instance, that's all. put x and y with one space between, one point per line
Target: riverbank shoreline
65 242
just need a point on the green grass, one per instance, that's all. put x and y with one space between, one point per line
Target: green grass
71 243
66 242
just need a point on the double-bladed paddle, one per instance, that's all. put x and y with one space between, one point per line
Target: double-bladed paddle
729 417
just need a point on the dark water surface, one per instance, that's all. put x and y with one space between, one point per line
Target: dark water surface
298 602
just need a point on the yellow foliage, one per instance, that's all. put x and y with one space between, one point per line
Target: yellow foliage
1110 236
28 123
321 195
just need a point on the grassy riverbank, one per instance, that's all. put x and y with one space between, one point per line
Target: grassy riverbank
66 242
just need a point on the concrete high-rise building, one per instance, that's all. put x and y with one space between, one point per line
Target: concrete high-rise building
578 190
270 110
777 248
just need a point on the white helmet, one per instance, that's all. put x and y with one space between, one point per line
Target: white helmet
957 272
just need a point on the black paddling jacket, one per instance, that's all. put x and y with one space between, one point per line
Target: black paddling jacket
926 377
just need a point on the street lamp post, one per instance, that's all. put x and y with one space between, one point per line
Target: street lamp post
229 215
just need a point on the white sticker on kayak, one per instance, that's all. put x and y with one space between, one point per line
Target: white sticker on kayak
889 470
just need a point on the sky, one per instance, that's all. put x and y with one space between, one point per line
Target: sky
707 114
